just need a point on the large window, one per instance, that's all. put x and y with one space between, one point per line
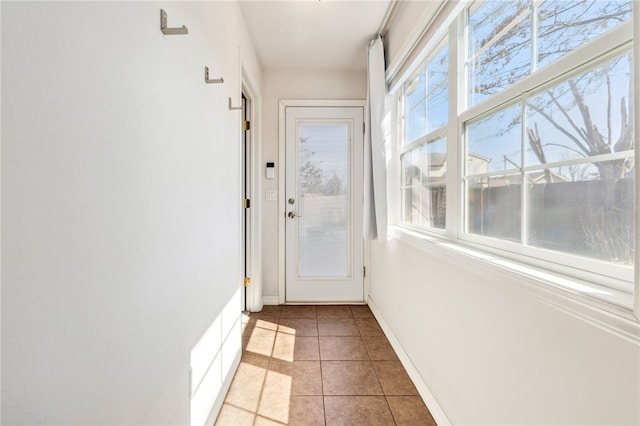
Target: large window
542 135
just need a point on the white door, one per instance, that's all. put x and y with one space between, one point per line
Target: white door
324 257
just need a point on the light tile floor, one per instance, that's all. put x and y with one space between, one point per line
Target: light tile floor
319 365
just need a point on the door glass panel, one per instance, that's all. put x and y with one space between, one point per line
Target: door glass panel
324 200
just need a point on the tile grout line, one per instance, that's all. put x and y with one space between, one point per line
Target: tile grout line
384 393
324 407
324 410
264 381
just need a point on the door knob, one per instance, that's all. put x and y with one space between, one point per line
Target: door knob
293 215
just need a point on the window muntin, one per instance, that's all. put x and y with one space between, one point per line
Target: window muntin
507 41
578 196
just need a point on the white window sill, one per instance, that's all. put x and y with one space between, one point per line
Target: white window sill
606 308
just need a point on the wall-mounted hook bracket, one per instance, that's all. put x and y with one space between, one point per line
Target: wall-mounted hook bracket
211 81
170 31
232 107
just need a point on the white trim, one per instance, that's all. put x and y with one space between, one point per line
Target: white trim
546 287
1 216
455 163
636 83
366 282
427 396
270 300
281 208
439 133
235 120
393 160
222 393
388 16
518 171
594 271
329 103
282 105
254 266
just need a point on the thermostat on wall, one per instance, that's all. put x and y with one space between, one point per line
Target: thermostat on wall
271 170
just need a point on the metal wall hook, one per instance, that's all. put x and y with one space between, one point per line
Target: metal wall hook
170 31
232 107
211 81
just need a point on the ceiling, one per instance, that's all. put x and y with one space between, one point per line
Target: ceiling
305 35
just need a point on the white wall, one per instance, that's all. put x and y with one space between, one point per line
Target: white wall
291 85
120 207
493 355
404 27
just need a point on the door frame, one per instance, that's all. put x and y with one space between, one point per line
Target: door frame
283 104
252 297
247 175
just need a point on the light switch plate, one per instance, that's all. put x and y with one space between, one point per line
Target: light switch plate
271 195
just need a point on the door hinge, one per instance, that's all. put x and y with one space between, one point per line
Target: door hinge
246 203
246 125
247 281
364 271
364 126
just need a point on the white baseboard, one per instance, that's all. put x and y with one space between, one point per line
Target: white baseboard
270 300
423 389
222 394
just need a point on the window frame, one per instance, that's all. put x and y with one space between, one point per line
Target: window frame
438 133
560 266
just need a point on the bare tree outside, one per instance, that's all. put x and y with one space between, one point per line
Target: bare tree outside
313 178
584 207
577 172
